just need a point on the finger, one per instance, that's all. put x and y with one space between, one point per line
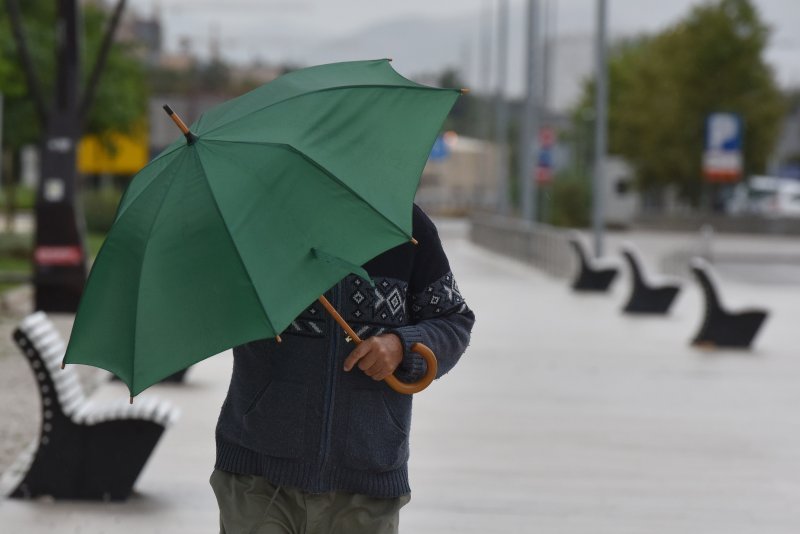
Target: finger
368 361
385 371
377 367
359 352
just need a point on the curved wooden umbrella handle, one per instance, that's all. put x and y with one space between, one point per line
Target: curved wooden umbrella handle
391 380
409 388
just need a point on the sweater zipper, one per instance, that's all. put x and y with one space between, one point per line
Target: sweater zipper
330 391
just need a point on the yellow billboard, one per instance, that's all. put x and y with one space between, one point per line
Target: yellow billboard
121 154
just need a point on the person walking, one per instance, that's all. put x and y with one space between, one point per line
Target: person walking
309 439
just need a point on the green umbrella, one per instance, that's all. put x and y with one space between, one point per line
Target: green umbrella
269 201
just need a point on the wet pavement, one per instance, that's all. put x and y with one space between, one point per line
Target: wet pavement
564 416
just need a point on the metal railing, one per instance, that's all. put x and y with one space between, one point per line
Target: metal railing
541 245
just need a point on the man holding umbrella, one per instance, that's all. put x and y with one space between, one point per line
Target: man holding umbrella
309 439
299 188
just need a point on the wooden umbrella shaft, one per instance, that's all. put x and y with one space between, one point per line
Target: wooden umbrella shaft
339 319
190 137
391 380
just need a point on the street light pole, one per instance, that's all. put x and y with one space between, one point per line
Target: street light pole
485 82
529 138
601 129
59 254
501 109
59 260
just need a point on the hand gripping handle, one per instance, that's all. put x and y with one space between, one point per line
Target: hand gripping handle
409 388
391 380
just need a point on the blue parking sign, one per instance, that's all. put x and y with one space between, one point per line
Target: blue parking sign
722 159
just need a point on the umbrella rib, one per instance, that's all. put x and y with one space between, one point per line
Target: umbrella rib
235 246
322 168
130 201
141 265
325 90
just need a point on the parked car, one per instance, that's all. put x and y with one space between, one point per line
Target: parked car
769 196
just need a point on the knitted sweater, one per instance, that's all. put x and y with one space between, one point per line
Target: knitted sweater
295 417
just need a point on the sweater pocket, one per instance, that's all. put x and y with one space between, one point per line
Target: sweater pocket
274 423
375 439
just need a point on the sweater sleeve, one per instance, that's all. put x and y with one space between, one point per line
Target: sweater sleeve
440 318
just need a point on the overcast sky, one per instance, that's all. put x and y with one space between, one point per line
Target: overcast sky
276 30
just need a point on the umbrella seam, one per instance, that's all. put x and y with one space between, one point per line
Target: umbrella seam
163 154
325 171
235 245
142 263
324 90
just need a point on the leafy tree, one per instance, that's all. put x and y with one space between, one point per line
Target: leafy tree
120 99
663 87
570 201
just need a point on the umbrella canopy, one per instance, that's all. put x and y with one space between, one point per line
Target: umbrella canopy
274 197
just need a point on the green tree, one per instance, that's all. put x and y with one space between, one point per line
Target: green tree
120 99
663 87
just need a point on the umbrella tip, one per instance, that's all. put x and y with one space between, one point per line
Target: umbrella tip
278 339
131 401
389 59
414 241
63 364
464 91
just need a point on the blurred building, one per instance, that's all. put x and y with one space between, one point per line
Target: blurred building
459 176
144 34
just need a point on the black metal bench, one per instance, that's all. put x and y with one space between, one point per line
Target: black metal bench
85 449
721 328
649 293
594 274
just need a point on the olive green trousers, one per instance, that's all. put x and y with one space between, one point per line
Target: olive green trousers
250 505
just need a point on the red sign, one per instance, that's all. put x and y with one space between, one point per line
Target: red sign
544 170
722 167
58 255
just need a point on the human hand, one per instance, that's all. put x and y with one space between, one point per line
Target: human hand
377 356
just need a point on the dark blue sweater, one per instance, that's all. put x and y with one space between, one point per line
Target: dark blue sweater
295 417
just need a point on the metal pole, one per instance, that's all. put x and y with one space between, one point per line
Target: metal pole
485 83
548 36
529 138
601 118
60 254
501 108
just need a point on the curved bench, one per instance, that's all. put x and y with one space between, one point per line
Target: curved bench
722 328
594 274
649 294
86 449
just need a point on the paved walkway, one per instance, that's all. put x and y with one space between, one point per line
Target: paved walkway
563 417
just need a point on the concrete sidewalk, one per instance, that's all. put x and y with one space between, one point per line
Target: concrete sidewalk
563 417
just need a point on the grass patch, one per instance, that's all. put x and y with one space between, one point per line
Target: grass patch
15 252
